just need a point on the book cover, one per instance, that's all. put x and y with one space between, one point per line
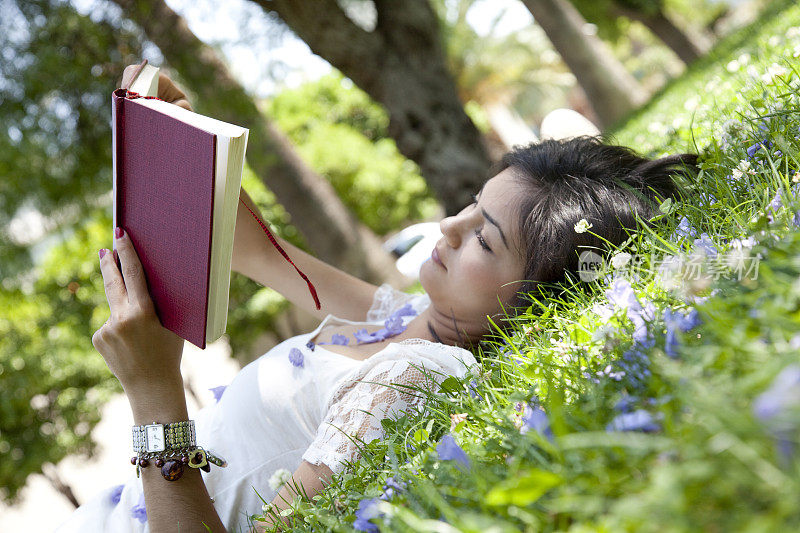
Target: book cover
164 199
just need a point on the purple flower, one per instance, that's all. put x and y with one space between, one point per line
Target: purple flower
473 390
534 418
393 325
363 337
684 229
296 357
339 339
705 244
367 510
782 396
634 365
751 150
217 392
391 487
625 404
449 450
794 342
115 493
778 408
640 317
138 511
406 310
639 420
621 294
675 320
310 345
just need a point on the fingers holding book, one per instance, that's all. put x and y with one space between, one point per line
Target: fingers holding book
138 349
127 287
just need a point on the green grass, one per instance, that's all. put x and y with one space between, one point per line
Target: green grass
710 460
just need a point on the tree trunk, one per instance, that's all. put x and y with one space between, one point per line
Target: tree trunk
612 91
686 47
401 64
329 228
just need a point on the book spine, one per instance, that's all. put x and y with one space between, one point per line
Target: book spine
117 116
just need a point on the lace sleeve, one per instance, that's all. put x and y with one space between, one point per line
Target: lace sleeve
357 408
387 299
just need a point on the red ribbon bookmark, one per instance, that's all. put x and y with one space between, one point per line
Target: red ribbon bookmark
278 246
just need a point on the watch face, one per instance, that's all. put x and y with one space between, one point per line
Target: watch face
154 438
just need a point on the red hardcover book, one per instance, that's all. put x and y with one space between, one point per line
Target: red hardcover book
177 176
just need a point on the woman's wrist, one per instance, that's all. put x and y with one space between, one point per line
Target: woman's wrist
162 400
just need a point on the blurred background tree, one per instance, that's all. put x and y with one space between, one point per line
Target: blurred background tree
55 158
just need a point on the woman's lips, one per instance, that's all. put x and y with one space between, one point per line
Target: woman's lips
435 257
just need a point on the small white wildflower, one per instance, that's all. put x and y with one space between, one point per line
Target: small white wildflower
732 66
774 41
753 72
732 125
620 260
582 226
793 32
796 52
279 478
742 169
796 177
743 59
773 71
603 332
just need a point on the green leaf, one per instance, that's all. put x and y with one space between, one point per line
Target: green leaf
451 385
523 490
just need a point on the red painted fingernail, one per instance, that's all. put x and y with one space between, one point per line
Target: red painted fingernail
102 252
118 233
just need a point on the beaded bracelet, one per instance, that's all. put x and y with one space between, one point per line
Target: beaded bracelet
170 446
171 462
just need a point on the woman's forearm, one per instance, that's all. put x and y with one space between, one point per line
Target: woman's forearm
182 505
254 256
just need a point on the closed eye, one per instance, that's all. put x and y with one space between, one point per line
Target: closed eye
482 241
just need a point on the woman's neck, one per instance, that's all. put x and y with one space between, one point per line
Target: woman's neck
431 327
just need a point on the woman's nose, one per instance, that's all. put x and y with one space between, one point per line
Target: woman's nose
449 228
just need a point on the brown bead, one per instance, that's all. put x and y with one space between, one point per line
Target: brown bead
159 462
197 458
172 470
185 460
134 460
144 463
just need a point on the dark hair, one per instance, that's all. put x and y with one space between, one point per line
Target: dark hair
583 178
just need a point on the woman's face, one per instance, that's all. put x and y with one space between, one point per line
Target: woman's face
479 256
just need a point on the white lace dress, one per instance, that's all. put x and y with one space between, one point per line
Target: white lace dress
275 414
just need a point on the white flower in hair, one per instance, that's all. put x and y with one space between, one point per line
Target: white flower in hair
279 478
620 260
582 226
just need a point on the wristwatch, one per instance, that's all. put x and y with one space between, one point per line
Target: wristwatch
163 437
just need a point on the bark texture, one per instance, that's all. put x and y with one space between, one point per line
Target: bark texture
329 228
686 46
611 90
401 64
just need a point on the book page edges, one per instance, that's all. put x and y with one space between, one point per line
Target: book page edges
146 83
231 167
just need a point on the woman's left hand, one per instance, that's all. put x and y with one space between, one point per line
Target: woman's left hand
136 347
